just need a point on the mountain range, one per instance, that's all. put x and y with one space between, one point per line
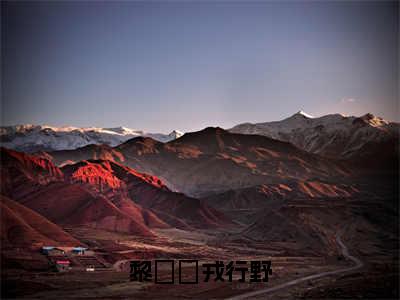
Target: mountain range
213 160
280 188
32 138
334 135
193 182
100 194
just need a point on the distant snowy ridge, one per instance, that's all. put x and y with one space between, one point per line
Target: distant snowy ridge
31 138
333 135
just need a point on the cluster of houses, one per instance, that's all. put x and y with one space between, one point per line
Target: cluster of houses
59 257
50 250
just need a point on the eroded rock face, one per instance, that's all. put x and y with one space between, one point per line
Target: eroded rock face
100 194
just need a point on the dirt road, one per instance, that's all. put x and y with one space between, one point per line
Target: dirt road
357 265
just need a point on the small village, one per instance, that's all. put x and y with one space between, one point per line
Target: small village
63 259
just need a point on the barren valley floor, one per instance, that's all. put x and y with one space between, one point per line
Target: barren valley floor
376 276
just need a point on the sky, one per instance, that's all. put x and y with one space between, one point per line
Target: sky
159 66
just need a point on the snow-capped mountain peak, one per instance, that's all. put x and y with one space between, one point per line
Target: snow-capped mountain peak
332 135
31 138
303 114
121 130
373 120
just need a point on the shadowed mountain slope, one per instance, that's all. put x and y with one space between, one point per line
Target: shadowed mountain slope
214 160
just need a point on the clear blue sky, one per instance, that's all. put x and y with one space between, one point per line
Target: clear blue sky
159 66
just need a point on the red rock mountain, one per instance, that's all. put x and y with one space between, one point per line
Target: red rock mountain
214 160
123 184
99 194
22 227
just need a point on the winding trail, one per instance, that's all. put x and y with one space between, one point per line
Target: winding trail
357 265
